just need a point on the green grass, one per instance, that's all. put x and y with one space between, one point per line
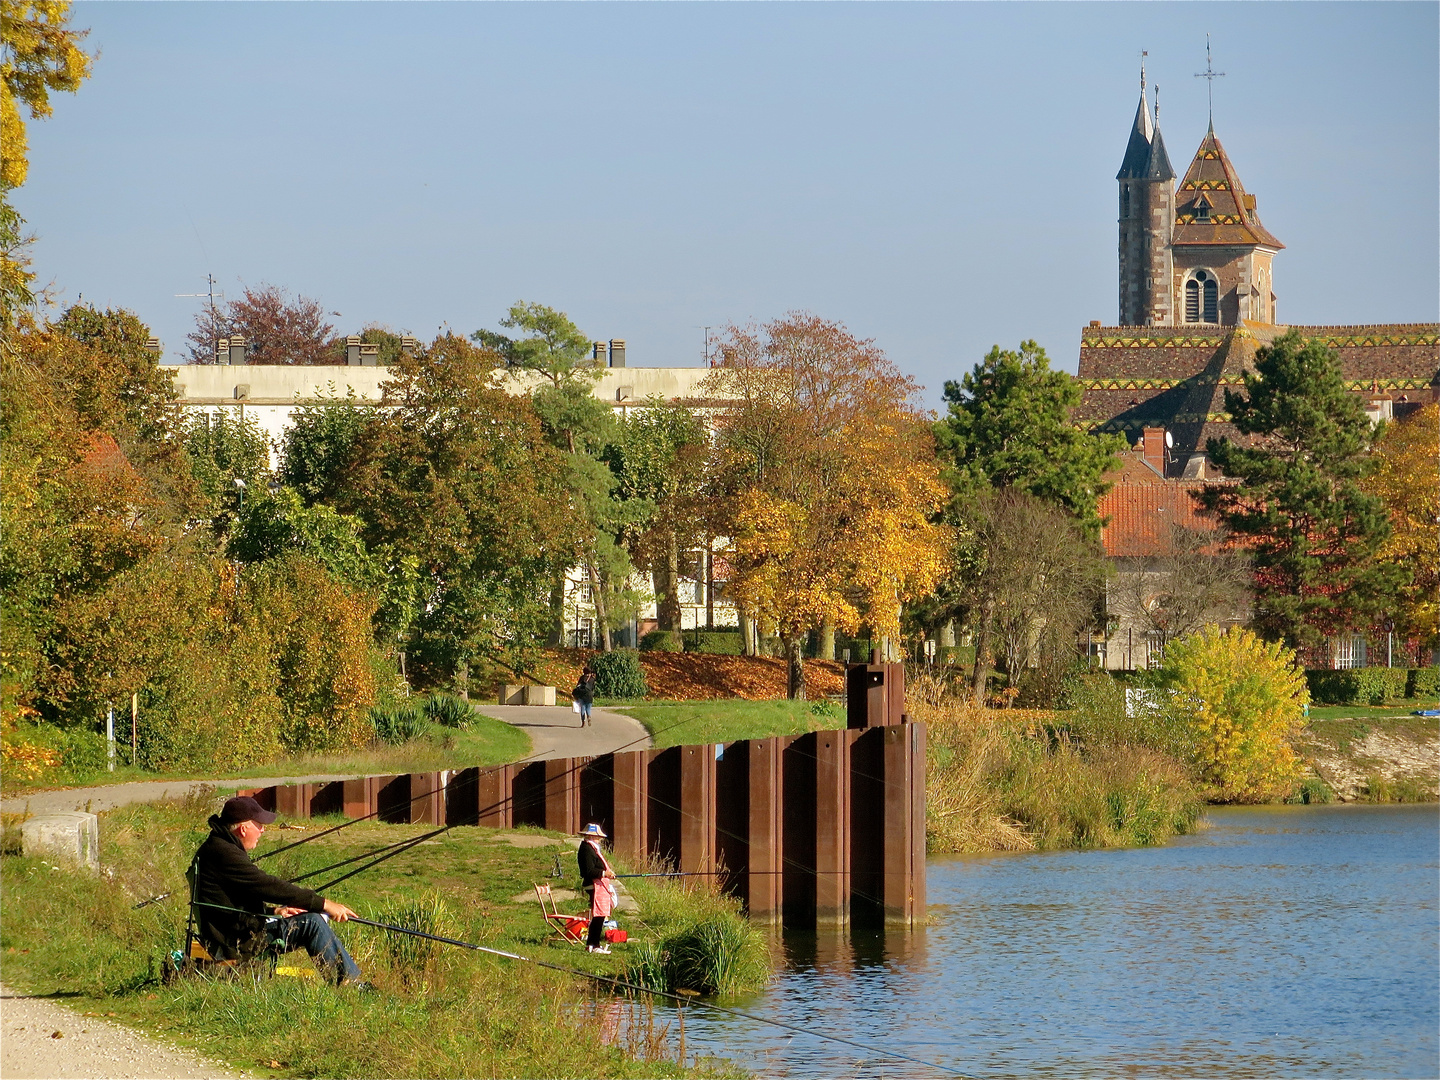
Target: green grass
485 741
437 1013
677 723
1397 708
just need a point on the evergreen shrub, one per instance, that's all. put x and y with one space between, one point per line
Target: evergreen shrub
1357 686
1422 682
715 642
618 674
662 641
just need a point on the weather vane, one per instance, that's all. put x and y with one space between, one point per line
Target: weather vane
1210 75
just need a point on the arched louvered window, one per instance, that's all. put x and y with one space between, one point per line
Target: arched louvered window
1202 298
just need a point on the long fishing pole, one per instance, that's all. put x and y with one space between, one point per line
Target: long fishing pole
611 980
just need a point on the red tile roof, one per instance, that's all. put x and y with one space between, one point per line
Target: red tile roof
1142 506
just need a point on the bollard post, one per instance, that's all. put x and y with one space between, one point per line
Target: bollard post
631 795
697 809
832 827
765 832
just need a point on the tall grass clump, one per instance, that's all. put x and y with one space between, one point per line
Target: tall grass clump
398 723
448 711
412 959
701 941
1020 779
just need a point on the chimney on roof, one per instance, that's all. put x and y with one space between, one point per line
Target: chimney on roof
369 354
409 346
230 350
352 350
152 344
1153 448
597 354
1094 322
617 352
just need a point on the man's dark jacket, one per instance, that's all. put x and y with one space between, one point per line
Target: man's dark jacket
226 876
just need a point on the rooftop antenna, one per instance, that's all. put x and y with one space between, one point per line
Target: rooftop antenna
210 293
707 344
1210 75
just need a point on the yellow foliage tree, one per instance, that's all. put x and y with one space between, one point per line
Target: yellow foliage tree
1245 699
41 53
832 478
1407 478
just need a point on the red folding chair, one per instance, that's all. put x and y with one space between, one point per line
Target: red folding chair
570 927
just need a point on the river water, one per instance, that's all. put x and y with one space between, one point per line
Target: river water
1279 941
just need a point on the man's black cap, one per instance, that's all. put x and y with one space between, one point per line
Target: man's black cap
243 808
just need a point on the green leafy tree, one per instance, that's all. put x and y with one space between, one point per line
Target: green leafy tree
39 52
553 346
458 475
659 461
1300 506
226 447
319 445
278 526
1009 430
1243 699
1009 427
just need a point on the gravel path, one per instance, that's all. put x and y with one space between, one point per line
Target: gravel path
42 1039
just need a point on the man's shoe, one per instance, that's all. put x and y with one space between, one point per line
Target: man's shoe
598 948
360 986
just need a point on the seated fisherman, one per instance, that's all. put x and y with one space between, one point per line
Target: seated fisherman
231 893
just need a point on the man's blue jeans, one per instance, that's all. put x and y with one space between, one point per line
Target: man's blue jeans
311 931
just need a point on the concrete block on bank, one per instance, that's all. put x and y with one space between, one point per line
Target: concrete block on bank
510 694
71 835
539 695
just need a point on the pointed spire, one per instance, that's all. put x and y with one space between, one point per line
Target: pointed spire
1212 206
1157 162
1137 151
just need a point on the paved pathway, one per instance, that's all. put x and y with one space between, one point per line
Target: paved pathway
555 730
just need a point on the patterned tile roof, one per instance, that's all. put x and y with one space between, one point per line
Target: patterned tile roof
1132 377
1211 205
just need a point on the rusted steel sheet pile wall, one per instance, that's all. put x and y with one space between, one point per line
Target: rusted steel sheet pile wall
824 828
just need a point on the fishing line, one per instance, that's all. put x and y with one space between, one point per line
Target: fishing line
612 981
680 1000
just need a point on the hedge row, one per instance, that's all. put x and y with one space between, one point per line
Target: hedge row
1371 685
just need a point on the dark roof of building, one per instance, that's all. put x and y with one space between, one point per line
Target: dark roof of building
1137 151
1157 165
1231 218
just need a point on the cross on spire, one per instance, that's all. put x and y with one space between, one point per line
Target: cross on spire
1210 75
1143 54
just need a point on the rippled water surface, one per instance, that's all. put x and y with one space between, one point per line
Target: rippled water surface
1280 941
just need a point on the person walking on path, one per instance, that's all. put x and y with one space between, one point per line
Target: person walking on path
596 874
231 894
584 694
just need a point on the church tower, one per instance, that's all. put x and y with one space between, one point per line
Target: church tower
1147 217
1221 254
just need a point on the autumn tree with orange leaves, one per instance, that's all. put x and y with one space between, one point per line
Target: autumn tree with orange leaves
828 467
1407 480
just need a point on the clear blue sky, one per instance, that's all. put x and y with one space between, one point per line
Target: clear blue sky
939 177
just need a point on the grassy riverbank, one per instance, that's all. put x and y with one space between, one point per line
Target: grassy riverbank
437 1013
676 723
